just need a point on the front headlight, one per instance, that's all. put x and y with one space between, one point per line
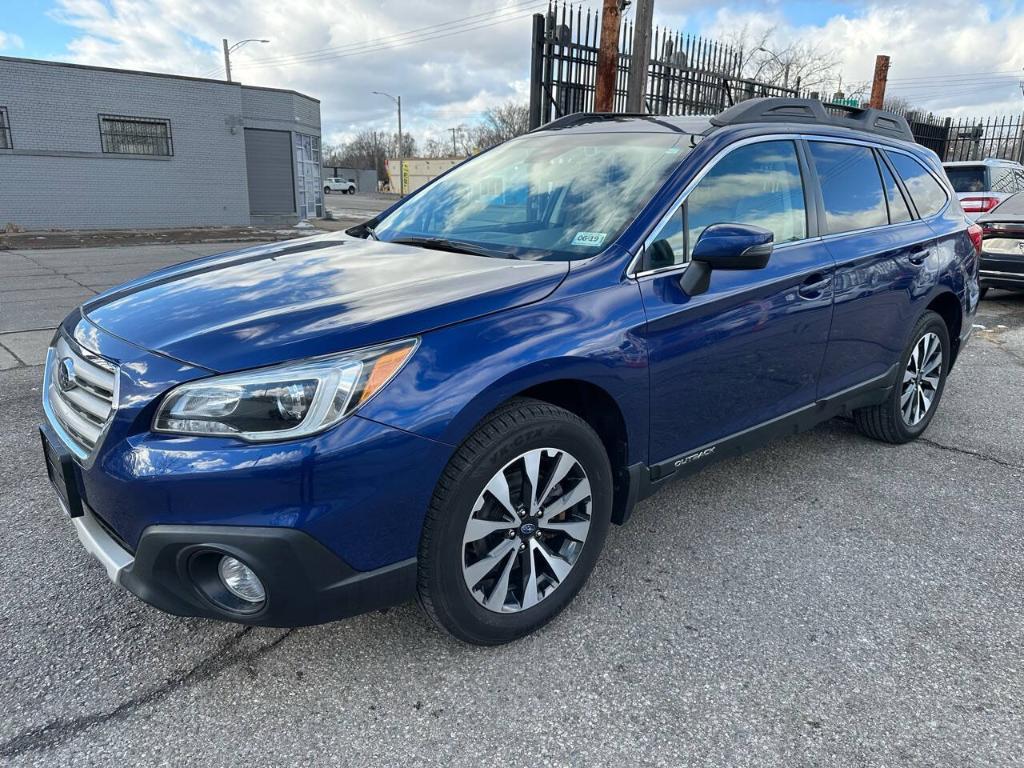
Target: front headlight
284 401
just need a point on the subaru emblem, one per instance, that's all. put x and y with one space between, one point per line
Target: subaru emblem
66 374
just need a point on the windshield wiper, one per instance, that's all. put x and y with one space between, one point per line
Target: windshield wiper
455 246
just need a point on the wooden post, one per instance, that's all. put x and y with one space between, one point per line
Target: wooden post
641 58
878 84
607 57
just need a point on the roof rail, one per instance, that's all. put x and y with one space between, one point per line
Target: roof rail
788 110
581 118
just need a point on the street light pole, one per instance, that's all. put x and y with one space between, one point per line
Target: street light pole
401 169
236 46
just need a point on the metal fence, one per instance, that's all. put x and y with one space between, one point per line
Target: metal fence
687 75
970 138
691 75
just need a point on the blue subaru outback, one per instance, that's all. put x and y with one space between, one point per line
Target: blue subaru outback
454 400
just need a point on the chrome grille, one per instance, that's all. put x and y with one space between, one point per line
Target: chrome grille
81 393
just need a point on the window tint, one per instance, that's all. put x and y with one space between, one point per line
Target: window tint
966 178
928 194
758 184
850 186
898 209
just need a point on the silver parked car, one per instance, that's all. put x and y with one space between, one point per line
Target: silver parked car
981 185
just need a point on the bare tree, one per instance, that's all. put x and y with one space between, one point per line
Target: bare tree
436 148
369 149
764 57
331 154
501 123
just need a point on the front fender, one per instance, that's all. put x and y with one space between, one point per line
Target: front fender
461 373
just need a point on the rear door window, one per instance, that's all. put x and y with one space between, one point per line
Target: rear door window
967 178
850 186
899 211
927 193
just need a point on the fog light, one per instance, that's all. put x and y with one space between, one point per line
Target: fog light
241 581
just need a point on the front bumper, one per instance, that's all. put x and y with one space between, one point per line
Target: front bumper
330 523
305 582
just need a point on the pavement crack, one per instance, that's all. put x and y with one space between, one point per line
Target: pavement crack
967 452
62 730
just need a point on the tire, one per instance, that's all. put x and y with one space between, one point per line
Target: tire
982 291
327 190
889 421
536 586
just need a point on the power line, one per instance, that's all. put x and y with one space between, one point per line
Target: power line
424 34
385 38
955 76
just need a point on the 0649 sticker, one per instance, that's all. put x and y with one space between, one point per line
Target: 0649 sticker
592 239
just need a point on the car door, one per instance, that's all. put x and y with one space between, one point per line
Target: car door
749 349
879 248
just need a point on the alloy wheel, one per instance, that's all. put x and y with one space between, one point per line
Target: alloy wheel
527 530
921 379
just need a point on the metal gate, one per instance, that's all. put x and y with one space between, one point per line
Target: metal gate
687 75
308 177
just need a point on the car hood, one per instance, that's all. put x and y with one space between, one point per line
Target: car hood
296 299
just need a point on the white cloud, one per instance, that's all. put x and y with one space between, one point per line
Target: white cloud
450 79
444 80
924 39
10 41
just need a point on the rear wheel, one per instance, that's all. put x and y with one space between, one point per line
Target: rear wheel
327 190
516 524
908 411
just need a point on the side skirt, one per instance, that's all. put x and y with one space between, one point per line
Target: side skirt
645 480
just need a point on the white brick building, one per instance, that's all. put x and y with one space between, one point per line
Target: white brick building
96 148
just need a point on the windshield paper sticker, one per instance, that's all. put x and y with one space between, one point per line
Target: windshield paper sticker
589 239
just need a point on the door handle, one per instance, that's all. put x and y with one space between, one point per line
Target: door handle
814 286
918 254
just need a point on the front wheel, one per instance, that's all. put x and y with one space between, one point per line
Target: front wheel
908 411
516 524
327 190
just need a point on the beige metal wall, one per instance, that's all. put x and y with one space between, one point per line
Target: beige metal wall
418 170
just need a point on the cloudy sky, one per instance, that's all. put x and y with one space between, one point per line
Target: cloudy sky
450 59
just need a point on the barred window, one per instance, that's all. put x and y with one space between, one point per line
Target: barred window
122 135
5 130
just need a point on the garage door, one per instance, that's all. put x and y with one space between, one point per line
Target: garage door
268 161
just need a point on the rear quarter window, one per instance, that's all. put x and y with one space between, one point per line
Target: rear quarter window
928 194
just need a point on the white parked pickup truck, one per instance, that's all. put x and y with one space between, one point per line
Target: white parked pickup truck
345 186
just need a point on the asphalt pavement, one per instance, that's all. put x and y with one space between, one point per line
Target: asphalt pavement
827 600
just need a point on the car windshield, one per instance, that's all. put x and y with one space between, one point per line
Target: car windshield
967 178
547 196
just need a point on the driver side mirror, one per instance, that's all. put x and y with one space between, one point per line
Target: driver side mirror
725 246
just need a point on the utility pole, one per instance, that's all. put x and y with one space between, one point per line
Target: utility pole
401 164
641 58
227 60
878 84
455 151
229 49
607 57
